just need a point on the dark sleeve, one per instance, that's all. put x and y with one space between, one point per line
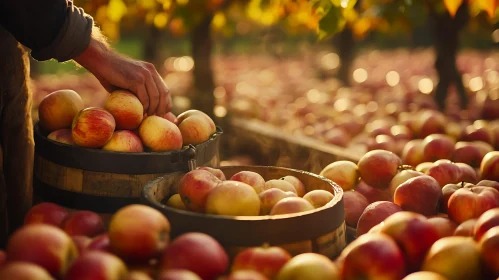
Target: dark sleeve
50 28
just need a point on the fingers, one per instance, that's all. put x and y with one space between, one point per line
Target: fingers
165 100
152 91
141 93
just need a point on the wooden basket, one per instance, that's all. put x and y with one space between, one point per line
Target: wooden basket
320 230
103 181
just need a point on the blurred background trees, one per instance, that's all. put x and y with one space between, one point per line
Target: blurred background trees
154 30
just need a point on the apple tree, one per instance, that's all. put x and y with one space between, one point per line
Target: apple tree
447 20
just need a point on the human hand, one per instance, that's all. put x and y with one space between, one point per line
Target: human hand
115 71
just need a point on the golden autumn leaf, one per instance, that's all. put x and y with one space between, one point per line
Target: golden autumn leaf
452 6
116 10
219 20
489 6
160 20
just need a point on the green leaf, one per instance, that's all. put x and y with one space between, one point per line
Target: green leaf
331 23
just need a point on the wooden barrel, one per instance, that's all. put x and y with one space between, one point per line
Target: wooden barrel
103 181
320 230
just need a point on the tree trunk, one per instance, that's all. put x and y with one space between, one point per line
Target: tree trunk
201 47
446 35
152 46
345 46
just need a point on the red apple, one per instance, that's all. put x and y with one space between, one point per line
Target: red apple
420 194
447 191
125 108
44 245
424 166
489 183
245 275
96 265
413 234
489 246
57 109
412 153
177 274
373 194
466 228
233 198
270 197
470 203
300 188
124 141
445 173
138 222
468 173
81 242
280 184
424 275
401 177
318 198
175 201
467 152
454 257
430 122
445 226
150 269
3 257
378 167
374 214
489 167
195 126
251 178
337 136
160 135
486 221
437 146
100 243
93 127
478 133
266 260
194 188
23 271
85 223
291 205
62 136
139 275
197 252
344 173
372 256
355 204
217 172
46 213
401 132
310 266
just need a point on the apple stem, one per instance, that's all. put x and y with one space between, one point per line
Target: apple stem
405 167
266 245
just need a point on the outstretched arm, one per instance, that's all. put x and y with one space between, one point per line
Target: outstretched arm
58 29
114 70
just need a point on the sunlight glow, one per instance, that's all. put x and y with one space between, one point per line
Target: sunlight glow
392 78
360 75
425 85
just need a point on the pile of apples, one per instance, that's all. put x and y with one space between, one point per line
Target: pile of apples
434 217
55 243
121 126
246 193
